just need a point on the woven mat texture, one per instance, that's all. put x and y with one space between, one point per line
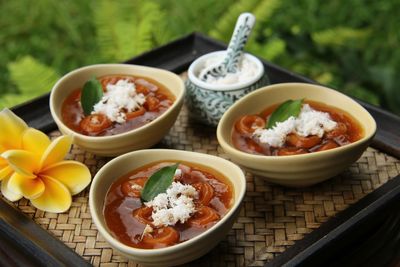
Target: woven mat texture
272 217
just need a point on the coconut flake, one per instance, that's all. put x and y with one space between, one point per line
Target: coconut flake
119 99
173 206
309 122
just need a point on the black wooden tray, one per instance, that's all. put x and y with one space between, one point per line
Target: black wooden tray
366 233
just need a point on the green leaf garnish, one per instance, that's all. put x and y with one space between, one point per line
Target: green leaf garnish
286 110
92 93
158 182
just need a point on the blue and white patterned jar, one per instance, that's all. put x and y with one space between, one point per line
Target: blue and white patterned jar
208 102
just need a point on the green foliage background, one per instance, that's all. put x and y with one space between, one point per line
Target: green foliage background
351 45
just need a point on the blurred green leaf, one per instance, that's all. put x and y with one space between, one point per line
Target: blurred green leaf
338 43
271 50
390 80
340 36
127 29
224 27
31 76
10 100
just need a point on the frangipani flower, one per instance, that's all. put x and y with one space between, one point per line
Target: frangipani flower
12 129
36 170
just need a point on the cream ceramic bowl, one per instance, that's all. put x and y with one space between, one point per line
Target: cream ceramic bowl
297 170
142 137
179 253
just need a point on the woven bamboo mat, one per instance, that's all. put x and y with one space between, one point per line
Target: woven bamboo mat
272 217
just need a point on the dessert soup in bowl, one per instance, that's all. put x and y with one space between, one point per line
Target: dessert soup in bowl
285 153
141 247
135 106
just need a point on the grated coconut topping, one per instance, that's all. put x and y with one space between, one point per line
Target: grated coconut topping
309 122
176 205
119 99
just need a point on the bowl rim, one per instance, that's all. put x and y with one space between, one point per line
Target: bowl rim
230 149
224 87
148 252
69 75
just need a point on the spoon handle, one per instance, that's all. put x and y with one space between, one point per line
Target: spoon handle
241 34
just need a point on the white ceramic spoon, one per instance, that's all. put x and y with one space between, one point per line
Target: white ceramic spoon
230 63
